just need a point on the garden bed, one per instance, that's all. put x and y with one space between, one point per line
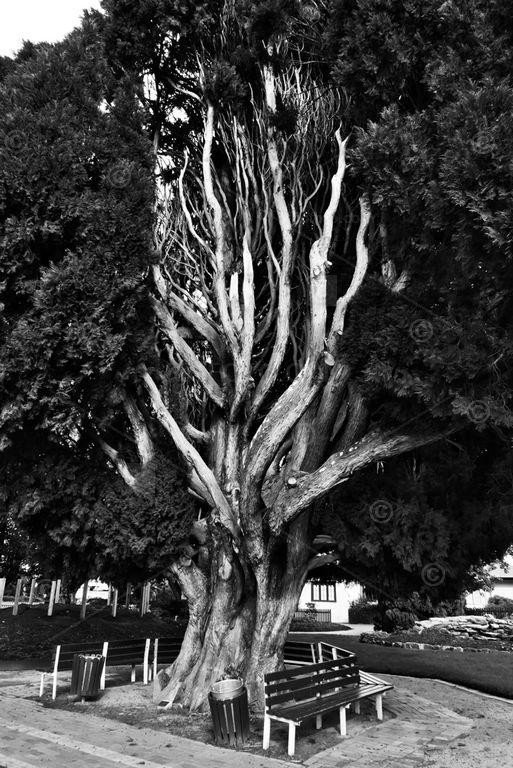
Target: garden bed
435 639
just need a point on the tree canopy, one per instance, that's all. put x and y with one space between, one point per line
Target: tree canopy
315 284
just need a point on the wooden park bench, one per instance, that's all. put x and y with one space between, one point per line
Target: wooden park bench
294 695
118 653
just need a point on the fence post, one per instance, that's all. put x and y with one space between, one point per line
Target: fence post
52 598
16 598
32 591
84 599
2 590
114 604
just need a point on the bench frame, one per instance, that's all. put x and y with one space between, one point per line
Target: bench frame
59 666
367 687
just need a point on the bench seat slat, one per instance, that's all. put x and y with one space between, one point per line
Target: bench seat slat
297 713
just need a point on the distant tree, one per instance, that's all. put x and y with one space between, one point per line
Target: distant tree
76 196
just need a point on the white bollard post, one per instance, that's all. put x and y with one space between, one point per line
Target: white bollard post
51 602
128 595
114 604
16 598
84 600
58 591
32 591
2 590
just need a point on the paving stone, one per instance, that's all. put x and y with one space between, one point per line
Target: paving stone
32 736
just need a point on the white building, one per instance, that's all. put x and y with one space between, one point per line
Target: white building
502 585
333 597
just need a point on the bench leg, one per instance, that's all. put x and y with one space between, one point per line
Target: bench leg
343 729
318 721
357 707
267 732
379 706
292 739
42 684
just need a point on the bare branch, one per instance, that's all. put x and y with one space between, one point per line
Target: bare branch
309 487
213 496
142 436
360 270
188 356
213 202
119 462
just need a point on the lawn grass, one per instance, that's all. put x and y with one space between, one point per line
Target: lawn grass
487 672
32 634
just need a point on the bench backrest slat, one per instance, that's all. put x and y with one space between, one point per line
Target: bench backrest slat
325 652
299 651
319 667
315 678
309 682
68 650
166 649
126 652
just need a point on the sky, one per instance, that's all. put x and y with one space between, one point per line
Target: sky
38 20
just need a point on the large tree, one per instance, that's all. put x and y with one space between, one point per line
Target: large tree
319 320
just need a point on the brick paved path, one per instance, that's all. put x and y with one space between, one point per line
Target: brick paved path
32 736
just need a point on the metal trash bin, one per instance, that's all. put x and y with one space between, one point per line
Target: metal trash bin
86 674
230 712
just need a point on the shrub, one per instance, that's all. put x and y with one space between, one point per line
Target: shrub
362 611
499 605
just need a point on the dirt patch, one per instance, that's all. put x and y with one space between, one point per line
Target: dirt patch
132 704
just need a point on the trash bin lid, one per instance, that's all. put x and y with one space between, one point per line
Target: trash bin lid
227 689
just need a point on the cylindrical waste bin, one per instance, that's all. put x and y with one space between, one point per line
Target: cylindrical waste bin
86 674
228 701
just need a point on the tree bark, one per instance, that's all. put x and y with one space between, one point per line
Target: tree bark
238 622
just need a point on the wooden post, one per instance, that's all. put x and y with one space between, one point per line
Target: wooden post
2 590
128 595
17 598
58 590
32 591
51 602
145 598
84 600
114 604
